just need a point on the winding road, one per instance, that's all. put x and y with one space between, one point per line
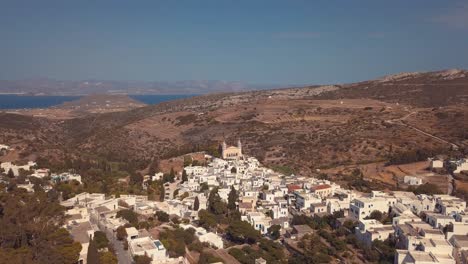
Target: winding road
401 121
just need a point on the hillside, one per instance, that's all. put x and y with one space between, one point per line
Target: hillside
430 89
305 128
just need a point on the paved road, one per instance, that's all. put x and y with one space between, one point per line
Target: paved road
123 255
169 190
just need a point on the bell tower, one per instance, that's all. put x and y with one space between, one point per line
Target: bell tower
239 146
223 149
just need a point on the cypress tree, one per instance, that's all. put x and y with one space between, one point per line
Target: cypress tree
10 173
93 254
196 204
172 175
232 199
184 176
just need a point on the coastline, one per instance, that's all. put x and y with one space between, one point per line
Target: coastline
21 101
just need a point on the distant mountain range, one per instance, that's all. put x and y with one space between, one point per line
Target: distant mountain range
46 86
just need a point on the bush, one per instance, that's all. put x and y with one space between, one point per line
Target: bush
128 215
206 258
121 233
196 246
176 240
101 240
411 156
107 258
162 216
242 232
142 259
377 215
427 188
274 231
206 219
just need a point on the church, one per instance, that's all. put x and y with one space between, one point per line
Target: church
231 152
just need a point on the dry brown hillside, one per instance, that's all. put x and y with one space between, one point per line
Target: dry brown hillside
302 128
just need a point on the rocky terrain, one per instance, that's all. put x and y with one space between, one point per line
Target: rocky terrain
305 129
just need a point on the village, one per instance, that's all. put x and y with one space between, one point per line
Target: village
425 228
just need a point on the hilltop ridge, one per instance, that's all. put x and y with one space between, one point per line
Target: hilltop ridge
333 124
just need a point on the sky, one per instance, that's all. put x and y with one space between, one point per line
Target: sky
254 41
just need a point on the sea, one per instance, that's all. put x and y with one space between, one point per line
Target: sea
9 101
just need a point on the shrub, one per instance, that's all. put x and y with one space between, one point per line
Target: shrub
162 216
206 258
101 240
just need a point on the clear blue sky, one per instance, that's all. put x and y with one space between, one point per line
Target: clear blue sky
257 41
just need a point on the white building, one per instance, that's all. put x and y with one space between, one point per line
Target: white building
258 220
280 209
449 205
436 164
205 236
371 229
420 257
41 173
361 208
149 247
304 200
195 170
7 166
438 220
4 147
461 165
412 180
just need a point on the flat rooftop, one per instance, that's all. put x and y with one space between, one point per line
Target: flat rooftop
143 244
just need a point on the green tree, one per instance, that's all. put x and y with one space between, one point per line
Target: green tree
206 258
142 259
242 232
274 231
121 233
196 204
187 160
215 204
184 176
162 216
272 251
101 240
377 215
136 179
151 170
40 241
172 175
204 187
107 258
10 174
93 254
232 199
314 251
427 188
66 249
128 215
206 219
176 240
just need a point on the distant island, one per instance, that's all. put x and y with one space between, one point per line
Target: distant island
46 86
